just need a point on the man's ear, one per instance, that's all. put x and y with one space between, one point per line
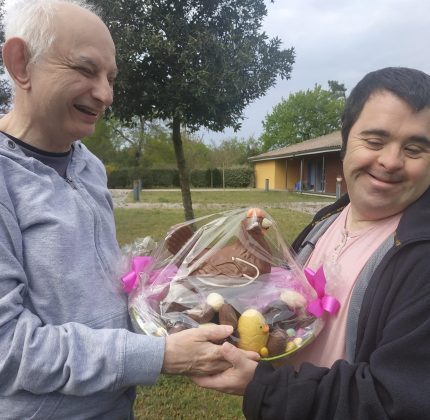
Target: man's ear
16 59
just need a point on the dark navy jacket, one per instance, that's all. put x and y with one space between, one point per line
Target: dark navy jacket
388 376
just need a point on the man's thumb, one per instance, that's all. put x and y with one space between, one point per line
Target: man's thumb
231 353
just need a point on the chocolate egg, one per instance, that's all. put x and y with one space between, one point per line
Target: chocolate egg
175 307
277 311
202 313
227 315
277 342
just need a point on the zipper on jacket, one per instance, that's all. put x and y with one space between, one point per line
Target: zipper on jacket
69 180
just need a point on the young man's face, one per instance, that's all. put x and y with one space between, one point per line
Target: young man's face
72 83
387 159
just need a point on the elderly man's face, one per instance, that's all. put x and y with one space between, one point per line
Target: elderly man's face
72 84
387 160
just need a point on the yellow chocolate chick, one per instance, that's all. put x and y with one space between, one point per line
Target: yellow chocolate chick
253 332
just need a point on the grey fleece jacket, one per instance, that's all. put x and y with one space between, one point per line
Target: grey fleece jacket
65 348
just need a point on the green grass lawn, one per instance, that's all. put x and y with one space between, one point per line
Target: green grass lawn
176 397
239 197
137 223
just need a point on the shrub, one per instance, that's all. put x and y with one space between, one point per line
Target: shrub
119 178
200 178
216 175
165 177
240 177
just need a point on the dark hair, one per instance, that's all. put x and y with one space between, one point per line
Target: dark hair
410 85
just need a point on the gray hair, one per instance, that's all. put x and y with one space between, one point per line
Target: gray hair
32 20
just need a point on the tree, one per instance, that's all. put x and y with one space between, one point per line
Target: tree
132 146
100 142
233 152
337 89
304 115
159 151
5 89
132 135
5 94
192 63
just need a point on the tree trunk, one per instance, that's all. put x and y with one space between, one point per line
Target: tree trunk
140 142
184 178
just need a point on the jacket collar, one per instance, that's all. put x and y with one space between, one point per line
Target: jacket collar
414 224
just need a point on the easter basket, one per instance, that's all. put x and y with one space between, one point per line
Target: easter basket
229 268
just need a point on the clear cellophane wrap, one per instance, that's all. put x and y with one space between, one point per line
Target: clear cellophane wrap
227 268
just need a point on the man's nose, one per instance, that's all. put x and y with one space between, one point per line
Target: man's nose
103 91
391 158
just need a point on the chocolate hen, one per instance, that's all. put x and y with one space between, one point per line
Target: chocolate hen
248 256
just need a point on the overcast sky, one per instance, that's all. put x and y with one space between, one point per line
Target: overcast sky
338 40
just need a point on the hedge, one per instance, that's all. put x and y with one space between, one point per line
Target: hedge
239 177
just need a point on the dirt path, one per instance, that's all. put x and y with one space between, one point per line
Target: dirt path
119 200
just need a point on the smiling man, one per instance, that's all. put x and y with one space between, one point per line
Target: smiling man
387 160
66 351
372 360
62 91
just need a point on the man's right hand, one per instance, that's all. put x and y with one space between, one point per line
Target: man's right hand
194 352
235 379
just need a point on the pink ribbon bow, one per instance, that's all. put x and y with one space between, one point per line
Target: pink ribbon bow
130 280
323 302
157 280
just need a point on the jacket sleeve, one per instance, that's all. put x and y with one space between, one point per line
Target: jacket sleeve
71 358
390 376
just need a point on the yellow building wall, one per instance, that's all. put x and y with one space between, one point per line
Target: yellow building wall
280 175
283 174
293 173
274 171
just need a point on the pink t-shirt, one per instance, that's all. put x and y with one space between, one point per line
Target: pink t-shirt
343 255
